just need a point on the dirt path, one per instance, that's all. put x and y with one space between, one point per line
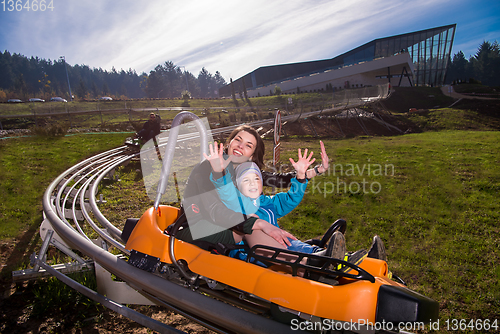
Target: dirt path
449 91
18 315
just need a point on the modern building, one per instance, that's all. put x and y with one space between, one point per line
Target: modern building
418 58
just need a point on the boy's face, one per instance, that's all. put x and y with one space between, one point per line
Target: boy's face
251 185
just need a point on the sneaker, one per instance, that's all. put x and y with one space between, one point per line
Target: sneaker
377 249
336 247
355 258
317 262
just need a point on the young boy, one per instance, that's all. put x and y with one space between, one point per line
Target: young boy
250 200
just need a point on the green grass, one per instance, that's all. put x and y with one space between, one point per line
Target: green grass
438 213
28 165
118 116
436 206
450 118
432 197
59 107
119 204
53 297
404 98
477 89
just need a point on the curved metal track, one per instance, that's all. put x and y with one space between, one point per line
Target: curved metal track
72 219
70 204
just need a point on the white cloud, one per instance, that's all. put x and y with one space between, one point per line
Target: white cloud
233 37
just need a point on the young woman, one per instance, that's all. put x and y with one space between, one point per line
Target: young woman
209 220
247 196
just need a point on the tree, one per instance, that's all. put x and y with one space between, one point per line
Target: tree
165 80
123 91
81 90
277 90
45 89
192 84
204 78
459 68
105 89
3 95
219 81
485 64
245 93
6 68
155 84
94 89
21 76
20 86
172 79
233 93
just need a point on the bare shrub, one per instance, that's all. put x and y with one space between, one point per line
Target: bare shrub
50 130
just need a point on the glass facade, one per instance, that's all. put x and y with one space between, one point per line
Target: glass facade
429 49
431 54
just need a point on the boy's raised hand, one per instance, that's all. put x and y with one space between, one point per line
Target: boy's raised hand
302 163
216 158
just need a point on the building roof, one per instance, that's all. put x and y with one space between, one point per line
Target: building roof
429 49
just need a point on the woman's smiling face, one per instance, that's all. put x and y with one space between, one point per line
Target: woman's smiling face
242 147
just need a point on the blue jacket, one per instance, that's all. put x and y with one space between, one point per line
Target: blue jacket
268 208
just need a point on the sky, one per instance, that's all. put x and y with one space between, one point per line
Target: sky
233 37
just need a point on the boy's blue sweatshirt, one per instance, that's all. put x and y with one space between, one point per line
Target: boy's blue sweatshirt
268 208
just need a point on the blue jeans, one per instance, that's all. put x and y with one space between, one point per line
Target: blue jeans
300 246
296 246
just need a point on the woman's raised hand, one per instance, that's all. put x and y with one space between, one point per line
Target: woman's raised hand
216 158
302 163
324 157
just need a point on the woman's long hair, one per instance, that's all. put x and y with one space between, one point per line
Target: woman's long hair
258 154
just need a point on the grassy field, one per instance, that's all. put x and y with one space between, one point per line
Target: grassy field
27 166
129 114
60 107
432 197
477 90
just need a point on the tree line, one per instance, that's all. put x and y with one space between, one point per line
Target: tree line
23 78
483 67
